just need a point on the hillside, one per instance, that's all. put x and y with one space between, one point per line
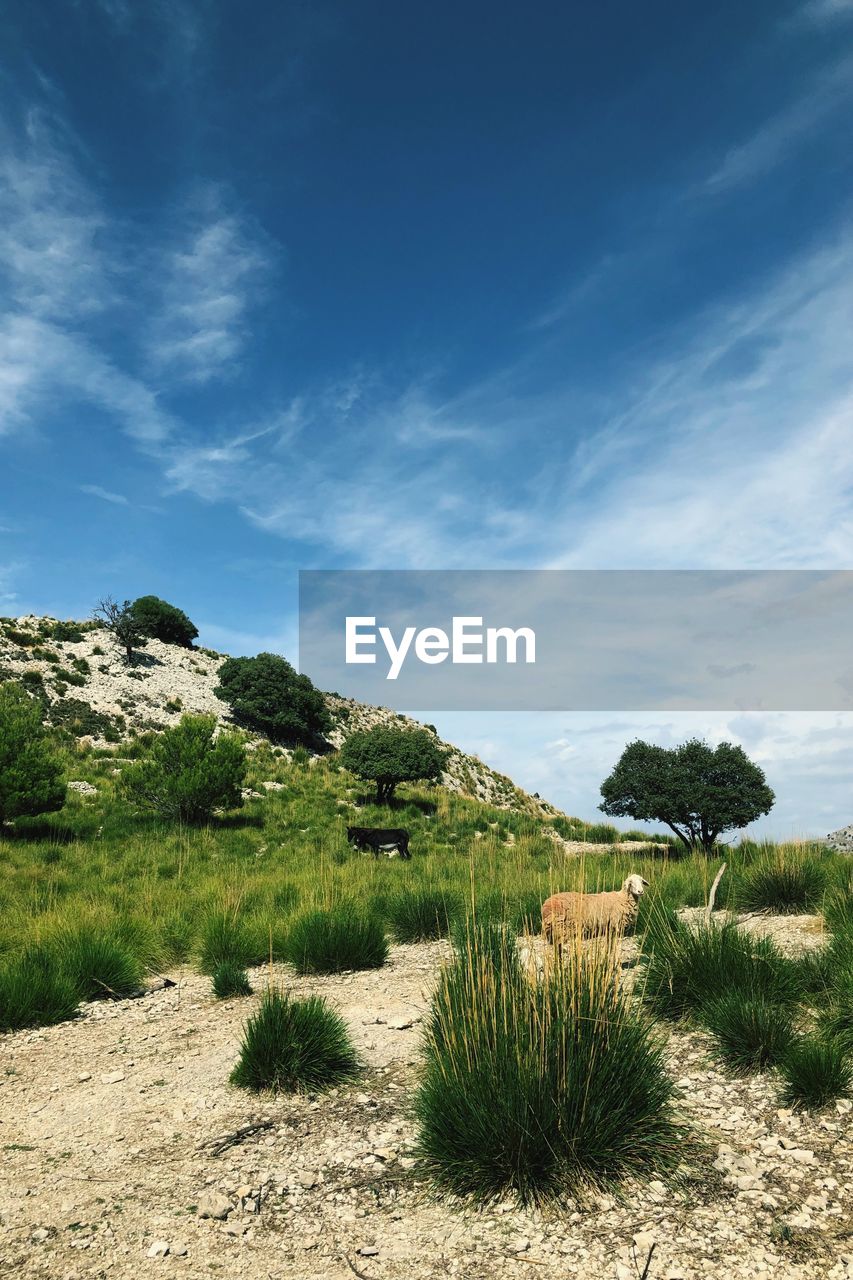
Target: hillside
90 689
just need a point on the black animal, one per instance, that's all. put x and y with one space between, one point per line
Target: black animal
380 839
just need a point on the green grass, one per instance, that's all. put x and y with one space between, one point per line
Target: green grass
99 964
421 915
782 884
686 968
751 1032
815 1071
540 1087
229 980
294 1046
34 992
334 941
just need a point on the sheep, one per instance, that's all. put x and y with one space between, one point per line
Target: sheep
591 913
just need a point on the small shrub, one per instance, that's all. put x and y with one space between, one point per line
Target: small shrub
783 884
65 677
30 774
687 968
229 980
99 966
294 1045
540 1086
173 704
81 665
751 1032
421 915
34 992
45 655
816 1070
189 773
82 720
67 632
335 941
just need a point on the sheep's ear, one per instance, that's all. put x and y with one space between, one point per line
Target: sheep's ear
645 882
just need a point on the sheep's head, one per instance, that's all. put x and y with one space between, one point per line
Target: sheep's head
635 886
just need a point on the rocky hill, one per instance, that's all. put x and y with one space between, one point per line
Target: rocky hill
89 688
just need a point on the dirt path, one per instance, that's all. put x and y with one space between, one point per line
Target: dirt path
104 1121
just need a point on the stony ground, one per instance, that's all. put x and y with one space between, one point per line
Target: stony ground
110 1165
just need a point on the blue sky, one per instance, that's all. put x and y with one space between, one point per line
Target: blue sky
332 285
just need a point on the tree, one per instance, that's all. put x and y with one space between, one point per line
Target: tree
387 756
163 621
267 695
120 621
30 774
189 773
697 790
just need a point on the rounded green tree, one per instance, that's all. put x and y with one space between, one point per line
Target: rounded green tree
189 773
387 756
267 695
30 774
163 621
697 790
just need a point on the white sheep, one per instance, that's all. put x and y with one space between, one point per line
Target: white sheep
589 913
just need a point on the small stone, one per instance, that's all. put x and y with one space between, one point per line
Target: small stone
307 1178
521 1245
39 1235
402 1024
368 1251
643 1241
213 1204
801 1155
178 1249
84 1076
113 1077
159 1249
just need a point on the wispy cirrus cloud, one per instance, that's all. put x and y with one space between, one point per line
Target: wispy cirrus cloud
212 276
106 495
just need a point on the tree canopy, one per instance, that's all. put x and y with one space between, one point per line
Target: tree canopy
267 695
189 772
697 790
163 621
386 756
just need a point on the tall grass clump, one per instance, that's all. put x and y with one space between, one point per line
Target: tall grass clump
333 941
229 980
294 1046
751 1032
35 992
225 939
540 1085
687 968
100 965
816 1070
783 882
421 915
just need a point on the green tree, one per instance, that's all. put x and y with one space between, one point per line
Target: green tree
697 790
387 756
163 621
123 626
267 695
30 774
188 773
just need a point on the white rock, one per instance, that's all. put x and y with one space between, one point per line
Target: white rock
159 1249
213 1204
178 1249
113 1077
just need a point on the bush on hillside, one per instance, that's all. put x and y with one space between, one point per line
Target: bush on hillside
188 773
30 774
163 621
266 694
696 790
295 1046
540 1086
389 756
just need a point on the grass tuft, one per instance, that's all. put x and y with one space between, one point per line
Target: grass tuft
816 1070
421 915
230 979
751 1033
294 1045
784 883
101 967
35 992
540 1085
336 940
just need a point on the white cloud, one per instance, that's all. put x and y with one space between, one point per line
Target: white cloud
105 494
210 280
